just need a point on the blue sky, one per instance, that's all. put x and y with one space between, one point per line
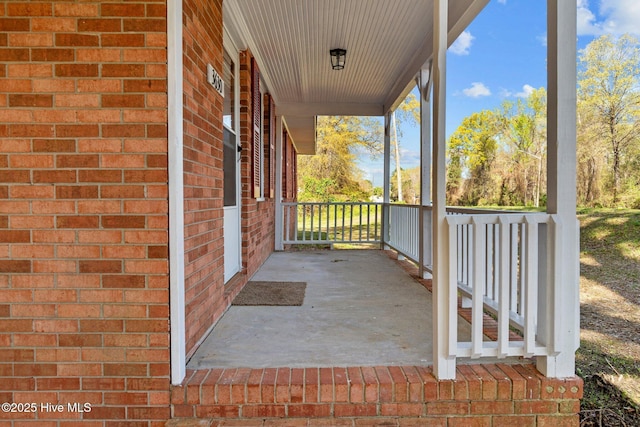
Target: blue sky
502 56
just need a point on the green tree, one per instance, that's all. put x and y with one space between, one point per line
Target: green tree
523 133
317 189
591 155
472 151
410 186
609 94
332 171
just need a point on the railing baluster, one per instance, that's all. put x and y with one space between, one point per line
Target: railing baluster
375 228
521 283
452 337
513 232
479 274
335 222
460 253
487 252
287 223
319 222
285 216
504 287
314 220
304 222
531 286
495 272
360 222
368 222
344 215
350 222
328 219
467 255
293 232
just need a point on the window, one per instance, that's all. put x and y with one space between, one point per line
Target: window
230 149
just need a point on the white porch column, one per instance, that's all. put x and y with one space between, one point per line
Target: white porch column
279 226
424 87
176 192
386 185
444 300
562 295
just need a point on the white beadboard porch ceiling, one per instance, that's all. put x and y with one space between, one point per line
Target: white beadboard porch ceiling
387 42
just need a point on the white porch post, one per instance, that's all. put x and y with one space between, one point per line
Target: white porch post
444 300
176 192
562 296
386 185
279 246
424 87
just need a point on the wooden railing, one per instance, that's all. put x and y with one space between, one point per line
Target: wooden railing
331 222
498 263
404 230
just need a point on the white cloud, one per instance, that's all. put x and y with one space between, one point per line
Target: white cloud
462 44
525 92
502 1
409 157
587 24
476 90
542 38
623 16
504 93
614 17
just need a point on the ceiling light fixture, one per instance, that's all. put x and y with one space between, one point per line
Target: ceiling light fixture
337 58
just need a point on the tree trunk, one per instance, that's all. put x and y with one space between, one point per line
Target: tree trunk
397 156
616 174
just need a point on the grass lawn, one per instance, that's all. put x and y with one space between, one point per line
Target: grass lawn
609 356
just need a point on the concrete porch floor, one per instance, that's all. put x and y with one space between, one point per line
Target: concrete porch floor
360 309
356 353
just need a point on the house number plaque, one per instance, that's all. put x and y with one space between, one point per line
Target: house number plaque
215 80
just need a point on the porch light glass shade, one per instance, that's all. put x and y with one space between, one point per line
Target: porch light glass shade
337 58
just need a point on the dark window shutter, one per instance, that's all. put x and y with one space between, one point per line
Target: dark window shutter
285 170
269 133
272 148
257 140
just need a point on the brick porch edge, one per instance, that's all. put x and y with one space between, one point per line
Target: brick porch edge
481 395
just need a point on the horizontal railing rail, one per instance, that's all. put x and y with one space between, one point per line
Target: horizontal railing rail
332 222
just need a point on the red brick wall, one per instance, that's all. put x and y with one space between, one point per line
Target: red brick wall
203 175
83 208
